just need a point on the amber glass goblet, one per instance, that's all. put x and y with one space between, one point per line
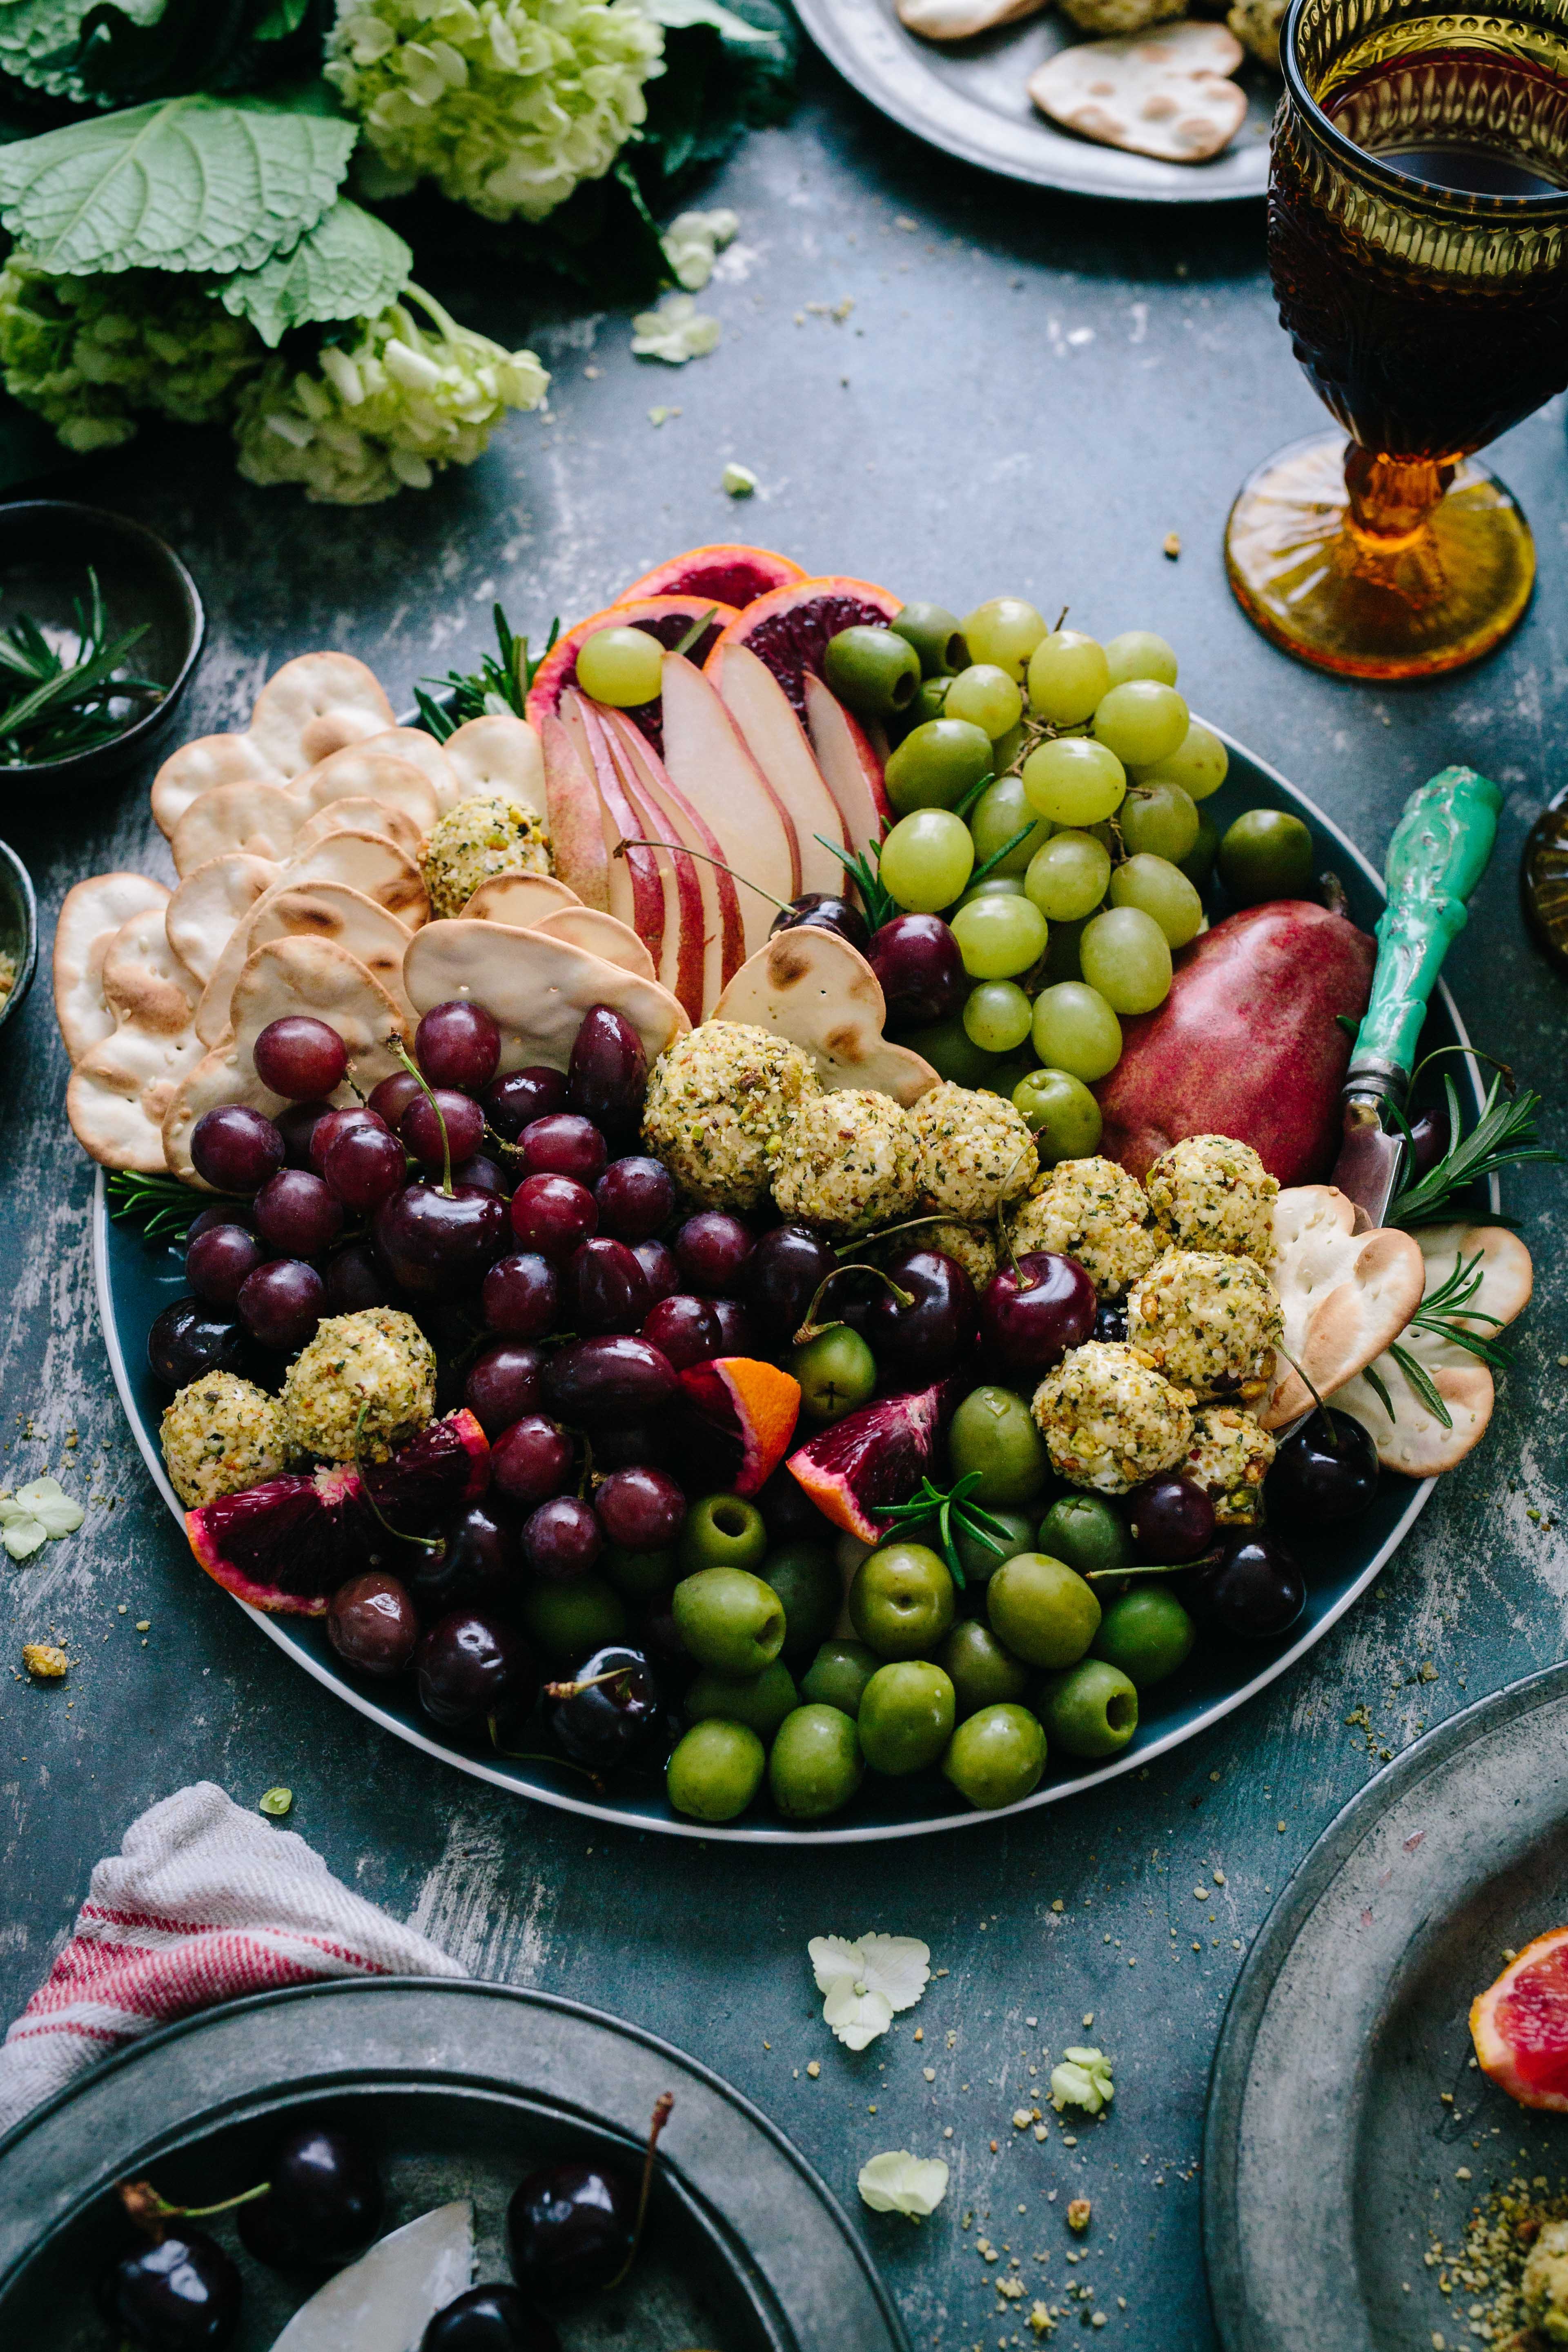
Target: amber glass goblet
1418 245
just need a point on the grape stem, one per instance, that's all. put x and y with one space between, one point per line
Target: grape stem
812 1329
661 2112
400 1053
678 849
149 2210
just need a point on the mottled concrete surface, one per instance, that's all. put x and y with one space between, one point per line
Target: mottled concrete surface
1027 395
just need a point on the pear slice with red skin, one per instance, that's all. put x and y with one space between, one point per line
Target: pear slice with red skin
685 922
678 953
635 885
706 759
777 742
850 768
724 936
571 813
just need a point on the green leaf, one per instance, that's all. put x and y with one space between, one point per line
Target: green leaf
1379 1387
349 266
40 41
1421 1381
188 184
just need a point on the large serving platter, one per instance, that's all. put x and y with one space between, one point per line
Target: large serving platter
462 2088
969 98
136 1279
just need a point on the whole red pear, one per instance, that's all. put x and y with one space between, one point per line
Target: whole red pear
1248 1043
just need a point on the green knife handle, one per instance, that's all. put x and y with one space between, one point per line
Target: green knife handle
1438 854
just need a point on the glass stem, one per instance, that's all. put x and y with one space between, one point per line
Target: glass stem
1391 498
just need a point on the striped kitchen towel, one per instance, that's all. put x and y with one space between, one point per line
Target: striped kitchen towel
203 1903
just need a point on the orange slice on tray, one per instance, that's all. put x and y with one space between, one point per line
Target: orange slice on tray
1520 2025
751 1402
729 573
669 619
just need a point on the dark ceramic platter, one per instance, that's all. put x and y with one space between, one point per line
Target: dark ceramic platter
1330 2157
969 98
464 2088
136 1279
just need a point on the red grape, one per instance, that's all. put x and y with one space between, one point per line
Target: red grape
711 1249
421 1125
520 1294
354 1280
917 961
551 1214
564 1145
234 1149
734 1327
1172 1518
332 1123
301 1057
608 1287
222 1212
457 1045
562 1540
609 1379
503 1384
782 1277
531 1460
608 1074
297 1123
486 1174
392 1097
297 1213
635 1197
282 1302
186 1340
641 1508
823 910
659 1264
466 1664
364 1166
686 1329
373 1624
217 1260
513 1102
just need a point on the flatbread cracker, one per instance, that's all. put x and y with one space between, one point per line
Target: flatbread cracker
519 899
960 20
88 919
497 753
367 863
260 820
120 1094
313 706
536 988
331 910
355 812
197 766
1414 1439
365 773
814 988
145 985
420 750
1344 1294
1165 92
601 935
201 916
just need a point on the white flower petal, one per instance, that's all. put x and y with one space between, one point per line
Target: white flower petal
831 1957
857 2017
897 2182
48 1502
24 1537
898 1966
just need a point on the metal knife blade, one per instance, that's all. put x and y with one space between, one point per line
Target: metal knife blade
1367 1169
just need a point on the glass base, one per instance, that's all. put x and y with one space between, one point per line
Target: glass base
1409 604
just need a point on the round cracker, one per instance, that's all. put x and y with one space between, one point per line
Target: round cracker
88 919
367 774
520 899
200 764
313 706
814 988
201 916
601 935
536 988
497 753
331 910
145 985
120 1092
362 862
356 813
260 820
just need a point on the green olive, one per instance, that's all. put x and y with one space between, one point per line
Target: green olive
1147 1634
936 764
836 1372
838 1674
815 1765
874 671
992 1431
977 1558
810 1589
763 1700
638 1575
931 702
1061 1113
1265 854
565 1622
1088 1532
1044 1613
901 1600
716 1770
996 1757
906 1716
1091 1711
722 1531
728 1620
981 1671
936 637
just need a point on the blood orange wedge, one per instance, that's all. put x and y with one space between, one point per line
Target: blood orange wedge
723 575
878 1455
668 618
788 630
1520 2025
752 1402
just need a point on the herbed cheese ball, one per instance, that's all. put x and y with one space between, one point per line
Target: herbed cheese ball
847 1163
1110 1418
1543 2289
969 1246
1257 25
220 1435
719 1106
366 1384
1230 1456
975 1151
1211 1192
484 835
1092 1210
1112 19
1210 1322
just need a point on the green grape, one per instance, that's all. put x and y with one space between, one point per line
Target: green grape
929 703
1162 890
1007 747
927 859
998 937
1001 811
999 1016
1143 721
1139 653
1066 879
995 885
1004 630
1159 818
1075 1030
1068 675
1000 1074
1198 764
1061 1113
937 763
620 666
1061 950
949 1049
1126 955
1074 781
987 696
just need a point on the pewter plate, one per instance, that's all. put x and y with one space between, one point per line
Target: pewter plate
969 98
464 2088
1329 2158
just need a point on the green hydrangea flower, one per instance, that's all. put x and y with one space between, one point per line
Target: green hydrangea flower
384 413
92 354
506 104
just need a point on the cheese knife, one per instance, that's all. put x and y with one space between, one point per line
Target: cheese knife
1438 854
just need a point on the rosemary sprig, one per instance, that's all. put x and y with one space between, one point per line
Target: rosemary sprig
1421 1380
500 684
955 1515
1448 1314
159 1205
66 704
864 869
1504 1135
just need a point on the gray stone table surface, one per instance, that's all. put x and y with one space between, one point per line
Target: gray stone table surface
1027 395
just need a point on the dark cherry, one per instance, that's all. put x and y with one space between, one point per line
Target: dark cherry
301 1057
282 1302
561 1539
642 1509
364 1166
457 1045
484 1172
659 1636
222 1212
788 1510
658 1262
551 1214
324 2203
188 1340
610 1379
489 2319
782 1275
355 1279
217 1260
427 1115
373 1624
432 1242
504 1383
635 1198
235 1148
711 1249
606 1290
1030 1320
1171 1519
531 1460
570 2228
607 1076
734 1327
1111 1323
634 1446
1255 1591
392 1097
180 2295
515 1101
821 910
563 1144
297 1124
476 1567
330 1124
608 1713
520 1294
687 1330
298 1212
467 1664
917 963
940 1324
1324 1471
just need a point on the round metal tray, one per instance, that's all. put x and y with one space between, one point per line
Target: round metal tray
1330 2157
136 1279
969 98
465 2088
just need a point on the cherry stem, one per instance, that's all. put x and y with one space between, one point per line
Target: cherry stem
678 849
1166 1567
149 2210
886 1233
575 1690
426 1543
1307 1381
538 1756
402 1055
812 1329
661 2107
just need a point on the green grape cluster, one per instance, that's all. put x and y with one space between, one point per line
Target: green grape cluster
92 356
385 412
506 104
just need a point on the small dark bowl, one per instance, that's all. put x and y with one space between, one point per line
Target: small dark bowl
18 926
46 547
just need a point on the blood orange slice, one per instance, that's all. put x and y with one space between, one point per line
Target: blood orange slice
723 575
750 1401
789 629
668 618
1520 2025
